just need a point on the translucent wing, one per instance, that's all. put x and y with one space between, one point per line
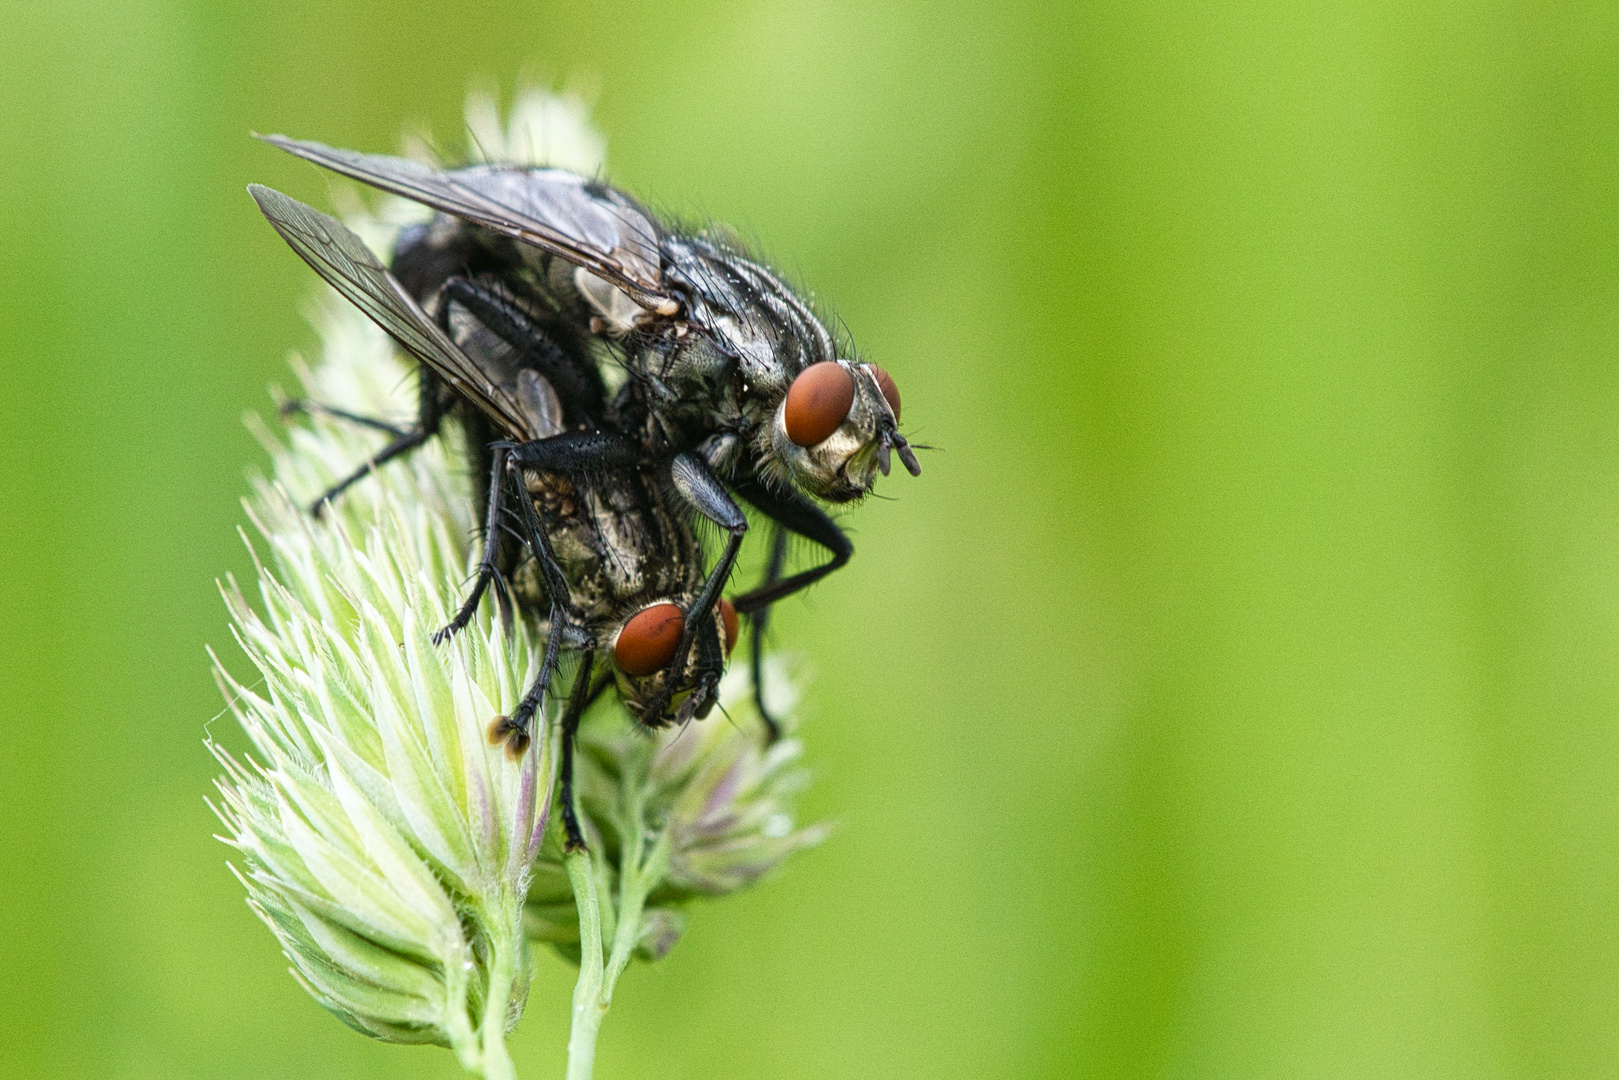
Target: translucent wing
342 258
587 224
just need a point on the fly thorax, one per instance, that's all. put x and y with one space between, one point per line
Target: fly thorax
755 348
682 414
692 360
623 548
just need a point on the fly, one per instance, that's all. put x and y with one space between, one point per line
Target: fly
617 568
727 365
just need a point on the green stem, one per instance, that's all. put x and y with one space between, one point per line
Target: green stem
459 1025
497 1063
505 953
587 1008
639 873
636 879
603 875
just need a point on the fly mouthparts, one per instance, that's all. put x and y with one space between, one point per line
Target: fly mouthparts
889 436
906 455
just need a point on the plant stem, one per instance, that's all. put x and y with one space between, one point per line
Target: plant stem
587 1009
639 872
636 878
505 949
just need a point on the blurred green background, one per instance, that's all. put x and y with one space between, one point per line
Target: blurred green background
1237 693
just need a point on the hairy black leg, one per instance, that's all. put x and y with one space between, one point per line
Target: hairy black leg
488 568
556 583
514 730
797 514
307 407
556 587
700 488
429 411
534 700
757 623
402 445
710 667
578 383
577 452
578 701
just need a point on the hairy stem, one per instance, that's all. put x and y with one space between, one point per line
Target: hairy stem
505 956
607 913
587 1010
637 877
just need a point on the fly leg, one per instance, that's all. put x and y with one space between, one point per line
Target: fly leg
578 701
575 452
307 407
429 411
796 514
488 568
758 622
699 486
556 588
514 730
710 668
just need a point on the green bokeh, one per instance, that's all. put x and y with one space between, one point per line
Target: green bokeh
1236 694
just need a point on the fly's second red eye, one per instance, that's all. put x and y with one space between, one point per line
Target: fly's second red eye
728 617
649 639
818 402
885 383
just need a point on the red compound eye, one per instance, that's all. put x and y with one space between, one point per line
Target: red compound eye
649 639
817 402
885 383
728 617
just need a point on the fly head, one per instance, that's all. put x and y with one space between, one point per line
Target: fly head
644 646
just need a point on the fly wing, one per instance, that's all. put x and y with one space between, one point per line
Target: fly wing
342 258
587 224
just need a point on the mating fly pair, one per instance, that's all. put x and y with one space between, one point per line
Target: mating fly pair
537 279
